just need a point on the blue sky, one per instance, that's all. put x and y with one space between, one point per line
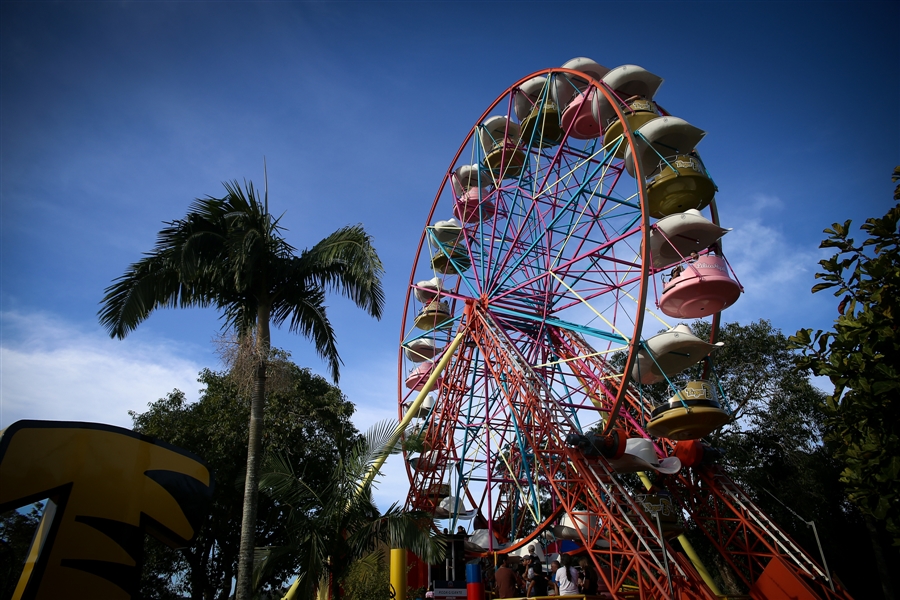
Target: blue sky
115 115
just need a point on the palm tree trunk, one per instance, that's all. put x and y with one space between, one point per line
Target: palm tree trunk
254 457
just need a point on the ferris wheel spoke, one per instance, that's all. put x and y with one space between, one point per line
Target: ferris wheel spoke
556 212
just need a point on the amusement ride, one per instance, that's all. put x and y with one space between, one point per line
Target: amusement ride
573 236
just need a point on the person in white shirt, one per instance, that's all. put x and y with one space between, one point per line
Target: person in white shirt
565 585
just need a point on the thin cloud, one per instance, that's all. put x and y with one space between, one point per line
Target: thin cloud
51 370
776 271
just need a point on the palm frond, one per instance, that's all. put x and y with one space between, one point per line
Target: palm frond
305 309
410 530
335 524
346 261
148 284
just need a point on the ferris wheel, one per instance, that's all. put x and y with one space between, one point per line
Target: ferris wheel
572 236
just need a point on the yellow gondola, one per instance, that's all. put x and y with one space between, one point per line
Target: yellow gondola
435 315
699 418
504 157
538 115
635 87
450 261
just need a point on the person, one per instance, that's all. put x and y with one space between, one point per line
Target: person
460 530
430 592
505 580
531 560
521 574
529 567
537 586
587 578
563 580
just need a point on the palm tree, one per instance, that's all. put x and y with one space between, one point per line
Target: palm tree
229 253
331 528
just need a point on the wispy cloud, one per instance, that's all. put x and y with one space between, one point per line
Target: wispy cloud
51 370
775 270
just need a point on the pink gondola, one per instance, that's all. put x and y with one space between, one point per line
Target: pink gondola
578 106
419 375
586 126
701 288
466 207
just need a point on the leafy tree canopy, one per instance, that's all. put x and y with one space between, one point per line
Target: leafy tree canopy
775 449
16 532
861 357
306 418
229 253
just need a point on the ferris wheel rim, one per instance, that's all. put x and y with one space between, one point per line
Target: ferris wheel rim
642 227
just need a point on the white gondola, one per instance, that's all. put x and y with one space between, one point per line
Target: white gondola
570 525
568 87
445 232
427 290
675 237
676 178
468 177
420 349
668 353
451 506
424 408
522 551
640 455
480 541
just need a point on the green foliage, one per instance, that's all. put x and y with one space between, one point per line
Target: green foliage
367 579
308 419
16 532
861 357
332 525
774 450
228 252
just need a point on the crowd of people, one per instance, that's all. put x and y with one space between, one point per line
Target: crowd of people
564 577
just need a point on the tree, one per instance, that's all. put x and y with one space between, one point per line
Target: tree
306 418
229 253
16 533
861 357
366 582
332 527
774 449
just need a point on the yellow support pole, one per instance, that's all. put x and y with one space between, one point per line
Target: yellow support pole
373 470
398 573
414 407
689 549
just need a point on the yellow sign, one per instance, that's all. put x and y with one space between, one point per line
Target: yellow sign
106 487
